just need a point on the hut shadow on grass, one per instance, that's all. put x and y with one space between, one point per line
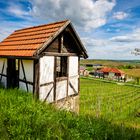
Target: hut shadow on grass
99 128
67 126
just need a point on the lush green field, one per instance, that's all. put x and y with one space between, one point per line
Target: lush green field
23 118
117 103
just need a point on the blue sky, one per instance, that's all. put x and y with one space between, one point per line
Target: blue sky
109 29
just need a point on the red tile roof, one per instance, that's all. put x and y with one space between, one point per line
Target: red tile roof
113 70
26 42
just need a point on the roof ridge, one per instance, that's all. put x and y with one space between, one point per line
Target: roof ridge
41 25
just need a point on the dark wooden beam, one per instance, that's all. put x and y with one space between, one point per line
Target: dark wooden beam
26 82
46 84
23 70
58 79
73 88
59 44
54 97
3 75
48 94
67 92
36 79
20 57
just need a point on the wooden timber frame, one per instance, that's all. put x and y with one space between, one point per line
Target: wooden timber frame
59 54
65 45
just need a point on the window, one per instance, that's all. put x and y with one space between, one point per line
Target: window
61 66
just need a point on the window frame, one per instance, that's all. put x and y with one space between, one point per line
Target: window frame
61 67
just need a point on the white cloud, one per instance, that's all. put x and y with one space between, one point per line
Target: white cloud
88 41
132 37
17 10
120 15
84 13
119 47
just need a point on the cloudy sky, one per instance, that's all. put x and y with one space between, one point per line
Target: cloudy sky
109 29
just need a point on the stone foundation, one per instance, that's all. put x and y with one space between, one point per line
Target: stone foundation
70 104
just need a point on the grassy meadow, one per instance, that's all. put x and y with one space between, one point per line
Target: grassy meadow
107 112
118 103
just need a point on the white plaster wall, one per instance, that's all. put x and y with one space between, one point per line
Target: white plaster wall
28 67
73 74
44 92
61 89
46 69
4 79
73 66
46 76
74 82
111 74
123 75
22 86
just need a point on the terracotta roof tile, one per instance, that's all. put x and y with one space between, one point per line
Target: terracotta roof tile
40 32
37 32
26 37
17 53
113 70
25 42
21 47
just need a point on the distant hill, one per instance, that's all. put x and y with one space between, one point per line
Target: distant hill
114 63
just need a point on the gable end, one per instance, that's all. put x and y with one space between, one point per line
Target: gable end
64 40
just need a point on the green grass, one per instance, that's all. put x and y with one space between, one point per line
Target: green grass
23 118
89 68
118 103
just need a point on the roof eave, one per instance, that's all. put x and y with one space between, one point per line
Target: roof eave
19 57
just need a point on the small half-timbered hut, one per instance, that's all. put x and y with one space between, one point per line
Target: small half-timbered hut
44 60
